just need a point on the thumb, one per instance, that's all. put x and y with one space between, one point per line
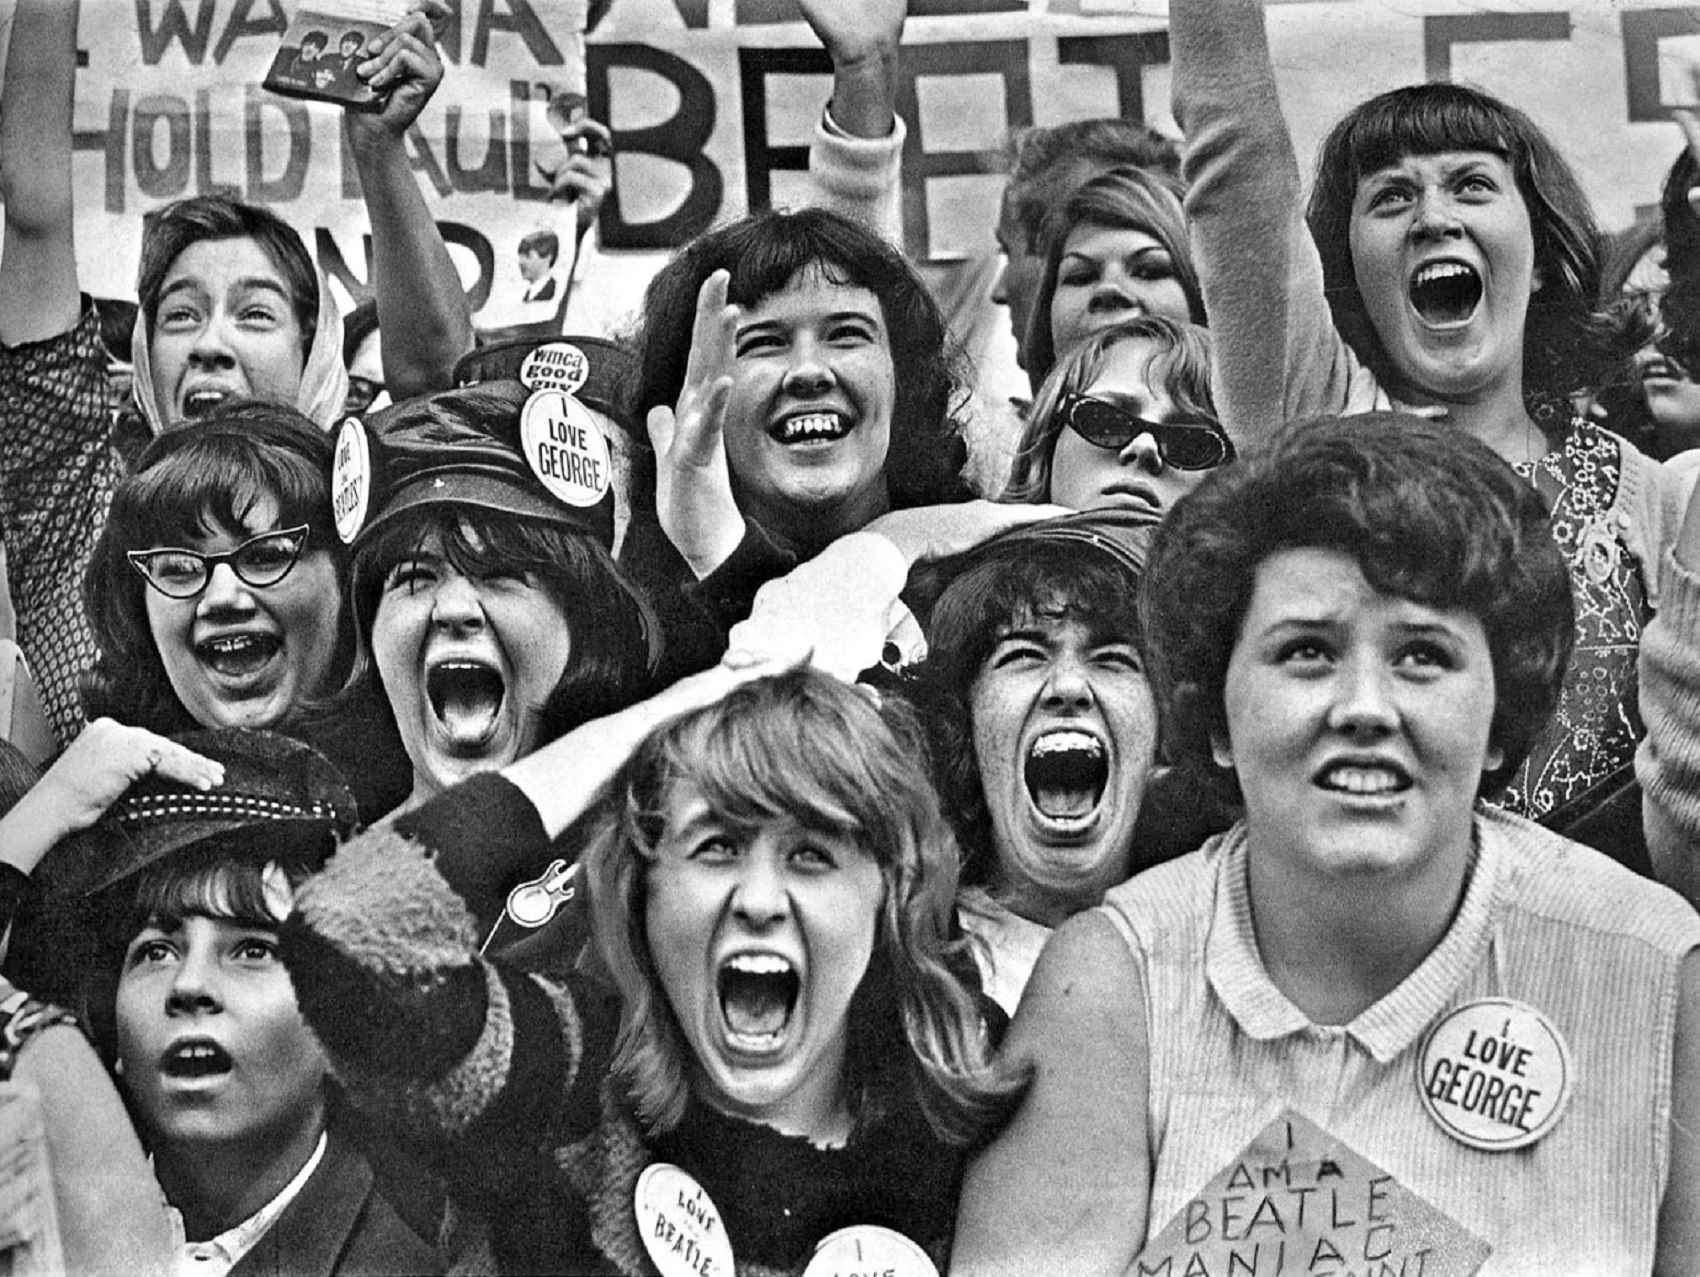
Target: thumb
661 429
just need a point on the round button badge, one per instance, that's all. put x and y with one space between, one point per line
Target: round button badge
680 1224
555 365
351 479
565 448
869 1248
1496 1074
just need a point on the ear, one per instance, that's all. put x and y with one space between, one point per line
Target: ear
1495 757
1222 751
1536 281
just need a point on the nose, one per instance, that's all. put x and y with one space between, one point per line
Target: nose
1000 285
760 897
1142 453
456 604
1068 685
1363 703
212 346
810 372
225 592
194 985
1113 293
1435 218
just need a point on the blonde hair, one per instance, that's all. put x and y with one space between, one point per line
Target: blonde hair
913 1023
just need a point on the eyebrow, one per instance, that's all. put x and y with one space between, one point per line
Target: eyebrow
250 283
763 325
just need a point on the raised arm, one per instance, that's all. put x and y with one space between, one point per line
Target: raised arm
1065 1188
858 147
422 307
1277 355
39 295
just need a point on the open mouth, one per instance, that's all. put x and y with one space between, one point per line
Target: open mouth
811 427
1658 368
197 403
758 993
1066 773
1364 780
466 697
238 655
201 1058
1446 292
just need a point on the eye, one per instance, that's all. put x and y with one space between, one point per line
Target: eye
256 313
148 949
176 567
178 316
1425 655
758 343
1387 198
268 555
1477 184
1077 274
1304 653
713 850
812 855
1017 656
409 575
850 332
258 949
1119 657
1153 266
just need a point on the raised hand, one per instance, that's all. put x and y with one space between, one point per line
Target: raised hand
403 67
861 37
693 485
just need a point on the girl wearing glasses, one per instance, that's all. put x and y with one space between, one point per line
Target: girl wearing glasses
1125 420
215 594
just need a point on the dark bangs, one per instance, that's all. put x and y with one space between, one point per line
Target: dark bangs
222 877
1420 119
214 472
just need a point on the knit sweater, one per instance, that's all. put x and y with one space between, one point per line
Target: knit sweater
507 1073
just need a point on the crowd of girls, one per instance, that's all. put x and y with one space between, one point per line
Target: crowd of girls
649 802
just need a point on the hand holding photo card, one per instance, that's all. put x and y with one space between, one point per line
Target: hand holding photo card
318 54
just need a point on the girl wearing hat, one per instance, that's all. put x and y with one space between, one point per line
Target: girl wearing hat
231 306
169 906
494 615
782 1053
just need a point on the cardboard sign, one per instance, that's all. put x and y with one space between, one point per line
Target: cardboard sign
1297 1200
1496 1074
351 479
557 365
565 448
868 1250
680 1224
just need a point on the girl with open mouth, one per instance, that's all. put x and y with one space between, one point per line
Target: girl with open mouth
495 616
1449 264
778 1050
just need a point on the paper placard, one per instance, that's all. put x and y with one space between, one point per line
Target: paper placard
680 1224
1496 1074
351 479
868 1250
555 365
1297 1200
565 448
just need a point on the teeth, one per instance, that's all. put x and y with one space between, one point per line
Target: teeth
759 964
1055 742
1363 780
811 426
1443 270
201 401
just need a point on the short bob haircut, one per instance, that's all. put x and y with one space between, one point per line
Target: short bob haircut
1571 342
608 662
1048 161
173 228
1121 199
1426 511
1053 580
914 1027
1180 359
764 252
209 473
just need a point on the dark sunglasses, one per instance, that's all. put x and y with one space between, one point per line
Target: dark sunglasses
1188 445
258 562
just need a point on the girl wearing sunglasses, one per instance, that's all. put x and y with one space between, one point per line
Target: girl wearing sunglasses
1125 419
216 596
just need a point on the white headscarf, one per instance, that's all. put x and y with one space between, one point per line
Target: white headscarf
324 381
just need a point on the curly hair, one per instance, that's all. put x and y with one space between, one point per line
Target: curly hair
1181 358
210 473
1427 513
1121 199
1571 342
764 253
913 1024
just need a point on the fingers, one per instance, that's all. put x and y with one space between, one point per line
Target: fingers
175 762
1690 128
661 429
712 332
698 439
